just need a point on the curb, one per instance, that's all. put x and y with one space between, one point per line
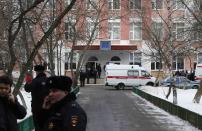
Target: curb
187 115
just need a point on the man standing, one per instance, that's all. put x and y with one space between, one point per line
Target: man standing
10 108
82 77
38 92
65 113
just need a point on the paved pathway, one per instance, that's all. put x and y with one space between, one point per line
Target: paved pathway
121 110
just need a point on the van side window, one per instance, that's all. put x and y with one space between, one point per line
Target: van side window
133 73
144 73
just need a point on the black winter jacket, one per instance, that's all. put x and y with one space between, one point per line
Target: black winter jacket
9 113
66 115
38 91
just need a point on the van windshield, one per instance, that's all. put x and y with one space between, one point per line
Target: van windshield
145 73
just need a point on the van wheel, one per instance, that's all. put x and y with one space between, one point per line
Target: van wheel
121 86
150 84
195 87
117 87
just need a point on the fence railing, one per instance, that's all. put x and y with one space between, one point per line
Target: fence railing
192 117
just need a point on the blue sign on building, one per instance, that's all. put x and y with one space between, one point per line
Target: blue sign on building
105 45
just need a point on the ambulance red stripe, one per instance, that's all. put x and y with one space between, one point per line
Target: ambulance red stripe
128 77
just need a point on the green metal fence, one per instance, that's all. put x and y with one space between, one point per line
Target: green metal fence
192 117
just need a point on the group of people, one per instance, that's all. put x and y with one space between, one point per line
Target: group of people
53 104
91 72
190 76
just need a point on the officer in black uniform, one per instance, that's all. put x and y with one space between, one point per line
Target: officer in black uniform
38 90
65 114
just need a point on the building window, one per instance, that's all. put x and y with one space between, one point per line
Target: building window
135 4
114 4
155 63
68 64
178 5
178 63
91 4
157 29
135 29
135 58
67 2
198 4
157 4
178 31
199 58
90 28
69 31
45 25
114 29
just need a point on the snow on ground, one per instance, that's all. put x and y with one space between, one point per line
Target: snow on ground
172 120
27 97
184 97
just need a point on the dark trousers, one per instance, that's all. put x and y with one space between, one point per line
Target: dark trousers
82 83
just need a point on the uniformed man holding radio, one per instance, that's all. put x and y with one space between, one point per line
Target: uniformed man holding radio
65 114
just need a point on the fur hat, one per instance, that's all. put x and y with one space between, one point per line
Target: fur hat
59 82
39 68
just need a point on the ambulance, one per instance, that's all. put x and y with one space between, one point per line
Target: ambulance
121 76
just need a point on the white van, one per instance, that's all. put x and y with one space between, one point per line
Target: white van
198 72
120 76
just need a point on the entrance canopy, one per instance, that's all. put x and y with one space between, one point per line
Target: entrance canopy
113 47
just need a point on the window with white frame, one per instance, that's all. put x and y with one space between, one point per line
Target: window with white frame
178 30
135 29
155 63
199 59
67 2
135 58
92 27
157 29
135 4
157 4
178 5
3 36
196 34
51 4
47 61
45 25
68 64
114 29
114 4
91 4
178 63
69 24
68 31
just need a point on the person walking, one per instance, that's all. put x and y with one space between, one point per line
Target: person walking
65 114
38 91
10 108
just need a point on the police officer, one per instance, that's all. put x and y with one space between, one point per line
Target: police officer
65 113
38 92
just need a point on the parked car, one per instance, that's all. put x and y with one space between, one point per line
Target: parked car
180 82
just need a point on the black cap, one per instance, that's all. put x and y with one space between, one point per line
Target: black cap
59 82
39 68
